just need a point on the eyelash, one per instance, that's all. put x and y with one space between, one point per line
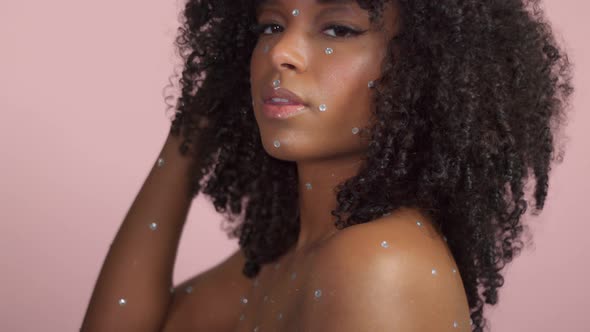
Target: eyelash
258 29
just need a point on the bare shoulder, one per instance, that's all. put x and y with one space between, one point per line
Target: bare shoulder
395 273
209 301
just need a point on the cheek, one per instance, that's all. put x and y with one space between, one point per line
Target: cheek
344 86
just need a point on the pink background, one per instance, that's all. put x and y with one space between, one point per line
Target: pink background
75 77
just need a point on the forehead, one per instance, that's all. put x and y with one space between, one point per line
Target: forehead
293 3
325 6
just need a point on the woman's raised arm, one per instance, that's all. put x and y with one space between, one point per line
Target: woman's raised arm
133 289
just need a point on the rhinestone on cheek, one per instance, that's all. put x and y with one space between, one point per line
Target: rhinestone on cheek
419 223
454 271
276 83
323 107
308 186
122 302
277 144
153 226
295 12
455 324
355 130
384 244
329 51
433 271
371 84
161 162
244 300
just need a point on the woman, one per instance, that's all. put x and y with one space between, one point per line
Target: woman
371 157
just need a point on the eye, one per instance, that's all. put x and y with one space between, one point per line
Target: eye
339 31
264 28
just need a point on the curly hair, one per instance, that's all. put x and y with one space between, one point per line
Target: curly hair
471 100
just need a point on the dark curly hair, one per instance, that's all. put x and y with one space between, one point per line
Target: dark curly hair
471 100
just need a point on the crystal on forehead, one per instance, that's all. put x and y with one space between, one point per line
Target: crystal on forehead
371 84
153 226
384 244
355 130
323 107
329 50
277 144
122 302
308 186
295 12
161 162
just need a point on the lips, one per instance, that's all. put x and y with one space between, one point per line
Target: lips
291 98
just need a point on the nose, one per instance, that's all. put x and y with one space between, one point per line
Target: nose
288 51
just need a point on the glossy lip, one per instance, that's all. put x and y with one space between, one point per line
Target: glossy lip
283 111
275 110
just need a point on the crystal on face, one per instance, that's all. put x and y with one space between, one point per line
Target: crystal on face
317 293
160 162
308 186
371 84
295 12
244 300
277 144
454 271
280 316
455 324
355 130
276 83
153 226
323 107
329 51
445 238
256 329
122 302
433 271
419 223
384 244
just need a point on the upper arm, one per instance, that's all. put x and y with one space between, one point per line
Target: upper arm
406 285
210 300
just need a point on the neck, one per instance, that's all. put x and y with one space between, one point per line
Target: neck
317 181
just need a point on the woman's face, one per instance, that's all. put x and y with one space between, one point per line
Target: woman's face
326 55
